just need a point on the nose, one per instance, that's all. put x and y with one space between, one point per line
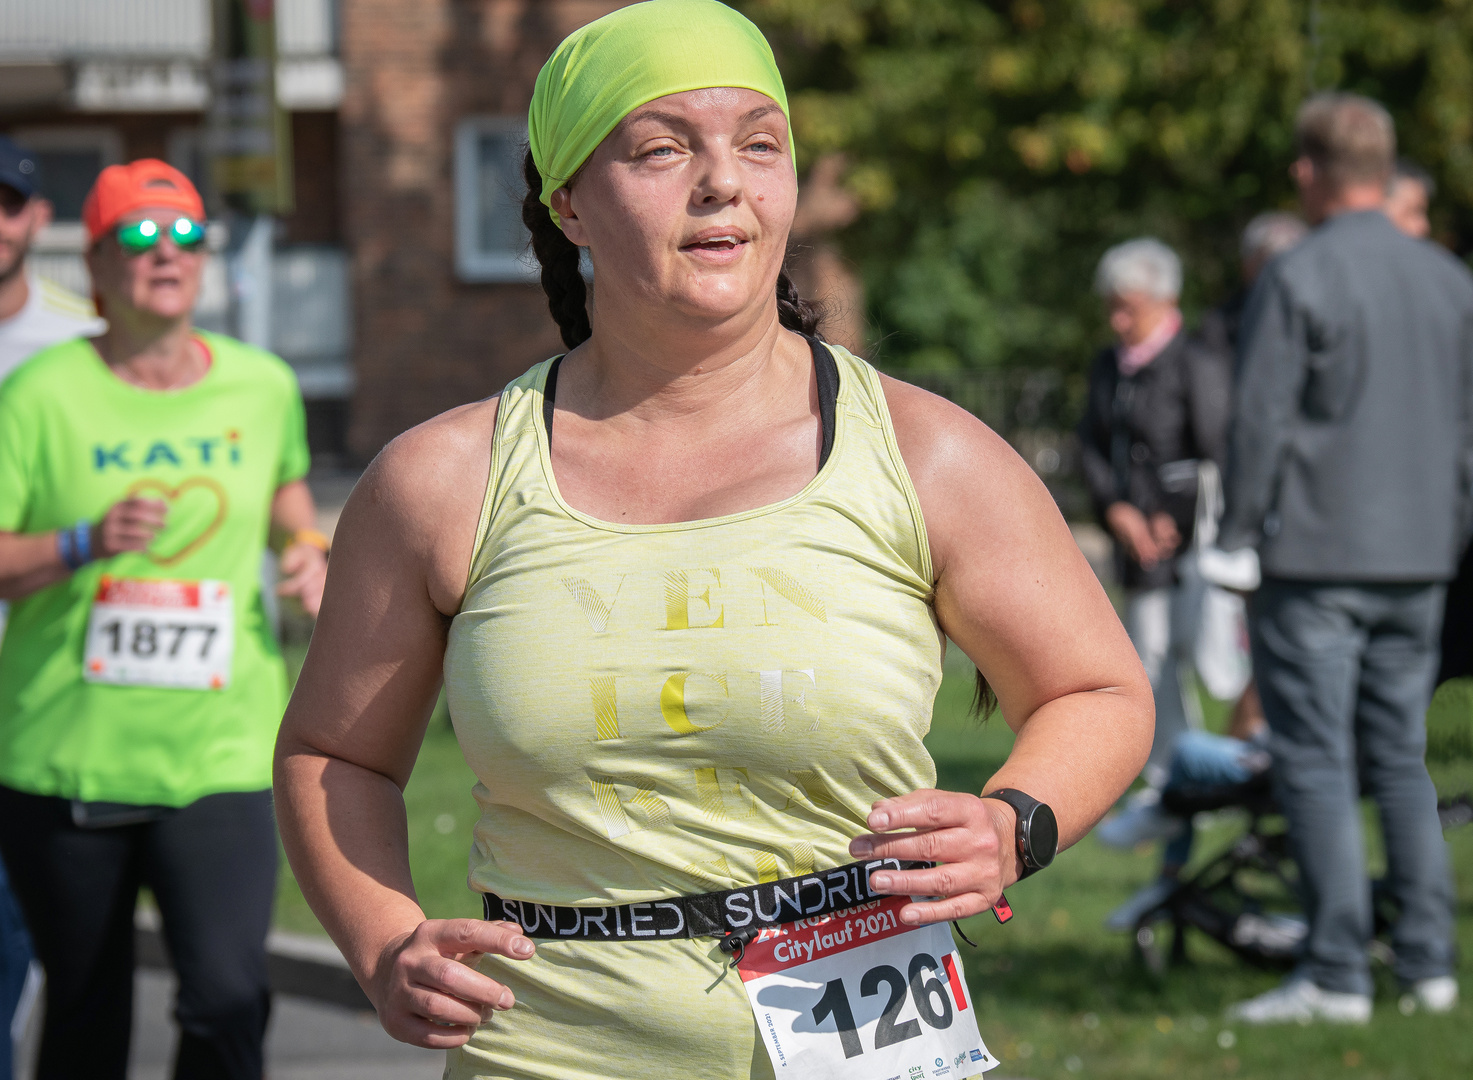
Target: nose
720 179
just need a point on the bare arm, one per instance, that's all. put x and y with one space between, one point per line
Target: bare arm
1015 593
303 565
356 721
30 562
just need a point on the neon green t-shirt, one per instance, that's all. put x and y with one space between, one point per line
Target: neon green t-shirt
75 439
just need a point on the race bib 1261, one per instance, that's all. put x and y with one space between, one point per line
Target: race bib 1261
152 632
856 996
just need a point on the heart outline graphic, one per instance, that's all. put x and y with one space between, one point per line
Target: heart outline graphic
173 494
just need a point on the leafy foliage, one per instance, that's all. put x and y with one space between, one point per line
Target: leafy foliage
998 146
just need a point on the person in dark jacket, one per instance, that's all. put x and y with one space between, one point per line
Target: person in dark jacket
1267 235
1407 200
1350 461
1200 754
1158 402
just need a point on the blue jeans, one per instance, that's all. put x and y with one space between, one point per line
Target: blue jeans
15 959
1346 672
1201 759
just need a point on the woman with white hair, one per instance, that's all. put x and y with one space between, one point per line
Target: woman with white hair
1158 402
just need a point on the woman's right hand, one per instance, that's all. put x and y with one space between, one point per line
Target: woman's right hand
1133 531
129 525
426 989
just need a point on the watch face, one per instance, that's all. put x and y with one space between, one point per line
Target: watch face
1043 835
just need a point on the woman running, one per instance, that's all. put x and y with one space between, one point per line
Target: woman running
689 587
140 684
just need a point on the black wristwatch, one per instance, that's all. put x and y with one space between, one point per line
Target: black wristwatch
1037 832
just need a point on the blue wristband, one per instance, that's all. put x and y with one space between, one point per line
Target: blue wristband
82 537
74 545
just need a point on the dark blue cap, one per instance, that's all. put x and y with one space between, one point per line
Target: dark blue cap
18 167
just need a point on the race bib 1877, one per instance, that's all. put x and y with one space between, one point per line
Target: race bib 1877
150 632
856 996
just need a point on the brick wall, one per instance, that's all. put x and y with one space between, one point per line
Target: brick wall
423 340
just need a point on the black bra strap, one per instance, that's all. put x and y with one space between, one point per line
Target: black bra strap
549 394
825 370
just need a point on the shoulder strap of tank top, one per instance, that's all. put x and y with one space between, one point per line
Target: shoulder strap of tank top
825 370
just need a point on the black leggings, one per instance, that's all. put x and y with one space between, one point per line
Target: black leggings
212 869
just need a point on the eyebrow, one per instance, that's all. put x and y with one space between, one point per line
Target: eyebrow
676 120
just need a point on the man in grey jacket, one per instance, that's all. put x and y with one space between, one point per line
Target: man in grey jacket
1350 460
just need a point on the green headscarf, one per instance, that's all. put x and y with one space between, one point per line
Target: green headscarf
604 71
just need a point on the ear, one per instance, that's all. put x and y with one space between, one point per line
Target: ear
1303 172
41 214
562 204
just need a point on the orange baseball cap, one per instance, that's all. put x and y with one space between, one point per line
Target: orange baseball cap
147 182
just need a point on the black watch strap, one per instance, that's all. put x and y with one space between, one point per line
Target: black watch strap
1037 831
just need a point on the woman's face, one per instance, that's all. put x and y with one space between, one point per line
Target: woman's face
162 282
687 204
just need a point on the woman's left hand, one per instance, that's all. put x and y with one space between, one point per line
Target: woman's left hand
304 573
969 837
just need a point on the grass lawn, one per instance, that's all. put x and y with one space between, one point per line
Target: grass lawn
1057 996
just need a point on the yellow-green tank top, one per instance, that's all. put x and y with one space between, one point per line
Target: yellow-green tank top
657 710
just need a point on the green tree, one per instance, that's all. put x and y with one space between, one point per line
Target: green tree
998 146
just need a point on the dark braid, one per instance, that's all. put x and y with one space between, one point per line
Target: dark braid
567 293
562 277
793 311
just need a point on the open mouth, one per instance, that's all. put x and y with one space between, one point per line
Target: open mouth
717 242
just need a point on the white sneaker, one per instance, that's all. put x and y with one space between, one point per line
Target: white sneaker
1435 995
1141 821
1146 900
1300 1001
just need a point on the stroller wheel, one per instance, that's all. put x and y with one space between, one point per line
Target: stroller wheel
1148 945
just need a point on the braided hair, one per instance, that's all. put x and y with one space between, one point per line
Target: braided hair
567 293
562 277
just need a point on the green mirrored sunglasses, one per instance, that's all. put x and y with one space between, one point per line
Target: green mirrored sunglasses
136 237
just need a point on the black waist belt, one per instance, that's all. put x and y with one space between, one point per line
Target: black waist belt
733 914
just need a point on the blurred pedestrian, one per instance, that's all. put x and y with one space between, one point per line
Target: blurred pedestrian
1351 453
34 313
1408 198
1265 236
1407 202
141 472
1157 404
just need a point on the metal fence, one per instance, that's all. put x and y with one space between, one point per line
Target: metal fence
1036 411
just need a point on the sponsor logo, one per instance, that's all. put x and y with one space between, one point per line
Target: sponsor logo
793 902
206 451
978 1055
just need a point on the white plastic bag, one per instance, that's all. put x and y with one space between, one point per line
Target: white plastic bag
1221 654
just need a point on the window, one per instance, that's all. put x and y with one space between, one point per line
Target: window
70 159
491 243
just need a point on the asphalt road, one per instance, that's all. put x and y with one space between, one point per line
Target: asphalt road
306 1041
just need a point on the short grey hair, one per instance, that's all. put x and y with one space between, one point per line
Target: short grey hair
1271 233
1144 265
